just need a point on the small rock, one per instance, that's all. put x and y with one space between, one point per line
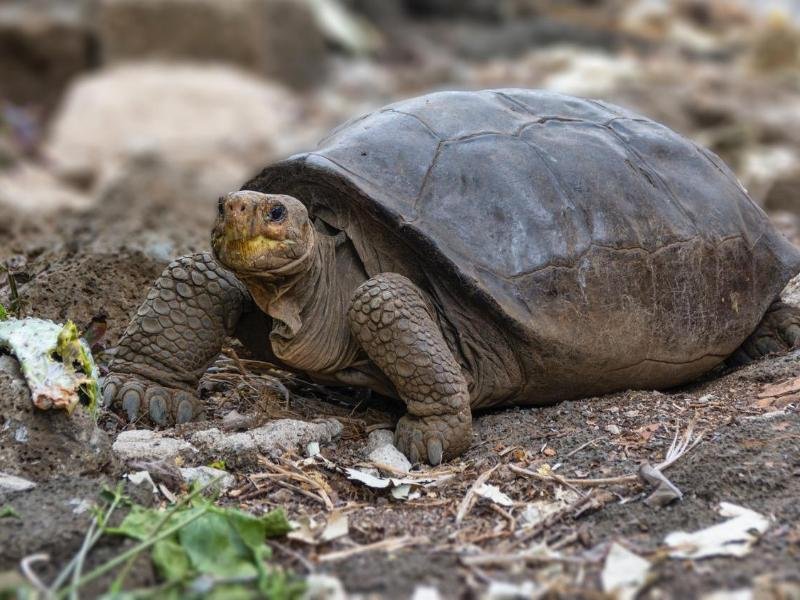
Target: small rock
143 444
236 421
426 592
12 483
273 438
204 475
391 457
323 587
282 496
378 438
613 429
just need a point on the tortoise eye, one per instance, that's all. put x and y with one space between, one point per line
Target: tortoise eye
221 206
277 213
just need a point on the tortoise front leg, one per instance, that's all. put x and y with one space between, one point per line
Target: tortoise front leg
176 334
396 327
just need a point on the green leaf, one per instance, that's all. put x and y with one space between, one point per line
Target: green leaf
251 529
140 523
275 523
171 560
8 511
216 548
3 313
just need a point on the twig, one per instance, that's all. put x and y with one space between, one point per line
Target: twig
134 551
534 555
575 507
294 554
582 446
387 545
294 488
512 522
25 567
323 494
677 449
469 499
62 576
81 556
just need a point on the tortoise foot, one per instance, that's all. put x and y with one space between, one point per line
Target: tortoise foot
138 399
434 438
778 331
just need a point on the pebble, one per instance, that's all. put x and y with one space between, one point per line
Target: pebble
204 475
12 483
380 449
143 444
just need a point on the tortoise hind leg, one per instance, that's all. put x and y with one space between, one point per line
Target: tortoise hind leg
778 331
396 327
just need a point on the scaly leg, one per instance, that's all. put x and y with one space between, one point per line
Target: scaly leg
176 334
778 331
392 321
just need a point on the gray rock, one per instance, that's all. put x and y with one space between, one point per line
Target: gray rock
40 445
273 438
391 457
280 39
324 587
380 449
12 483
378 438
205 475
188 129
143 444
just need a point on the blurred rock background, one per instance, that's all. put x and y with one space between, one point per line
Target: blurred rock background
121 121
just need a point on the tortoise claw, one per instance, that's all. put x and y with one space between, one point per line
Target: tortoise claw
135 398
435 452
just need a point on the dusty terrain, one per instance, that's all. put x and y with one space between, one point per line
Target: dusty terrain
748 455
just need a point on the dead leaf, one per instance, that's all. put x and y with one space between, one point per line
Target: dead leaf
733 537
665 491
624 573
336 527
647 431
493 493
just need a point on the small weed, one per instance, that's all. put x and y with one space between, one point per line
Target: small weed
199 549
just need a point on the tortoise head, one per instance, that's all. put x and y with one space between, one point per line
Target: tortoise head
261 233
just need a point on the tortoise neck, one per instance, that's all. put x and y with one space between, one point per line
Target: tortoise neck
308 308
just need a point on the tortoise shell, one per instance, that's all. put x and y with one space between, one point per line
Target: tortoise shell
608 248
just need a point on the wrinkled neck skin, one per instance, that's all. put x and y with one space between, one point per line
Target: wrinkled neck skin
308 301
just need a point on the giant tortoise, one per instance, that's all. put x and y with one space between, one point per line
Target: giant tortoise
464 250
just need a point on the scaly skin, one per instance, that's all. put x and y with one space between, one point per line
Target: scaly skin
778 331
396 327
176 334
